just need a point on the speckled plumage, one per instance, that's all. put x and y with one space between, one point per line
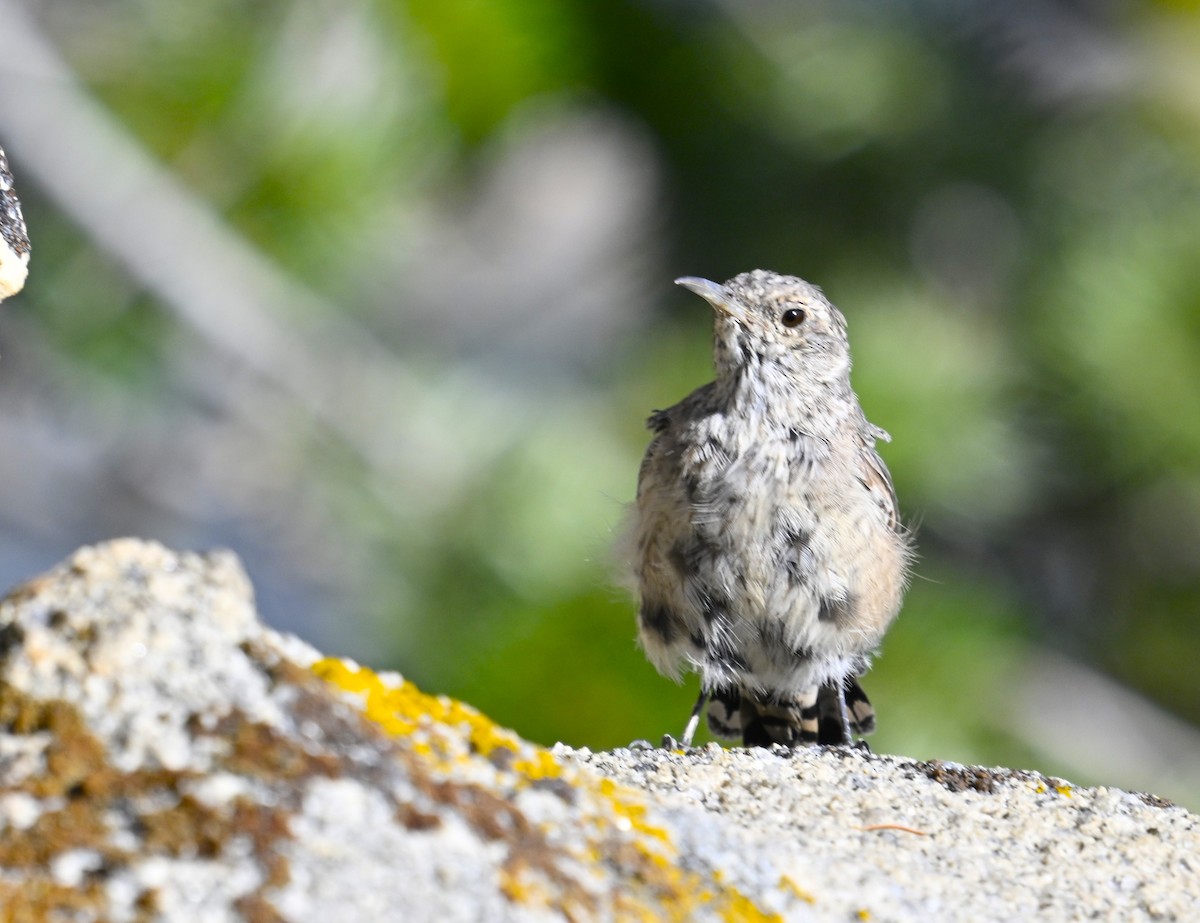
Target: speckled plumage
766 547
14 241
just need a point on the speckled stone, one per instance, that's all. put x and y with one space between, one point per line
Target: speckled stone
163 756
885 838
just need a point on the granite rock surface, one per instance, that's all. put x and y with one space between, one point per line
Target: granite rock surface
165 756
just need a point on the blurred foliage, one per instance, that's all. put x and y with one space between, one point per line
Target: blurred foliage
1004 199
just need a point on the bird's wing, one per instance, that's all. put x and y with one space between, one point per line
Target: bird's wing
877 479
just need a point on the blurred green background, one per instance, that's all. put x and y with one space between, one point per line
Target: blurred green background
379 294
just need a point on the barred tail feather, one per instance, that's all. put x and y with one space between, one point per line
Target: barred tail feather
725 713
811 717
858 709
862 712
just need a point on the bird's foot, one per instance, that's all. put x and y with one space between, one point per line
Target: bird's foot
859 745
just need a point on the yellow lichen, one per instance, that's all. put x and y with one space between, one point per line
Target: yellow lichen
436 723
515 889
789 885
1063 788
450 731
737 907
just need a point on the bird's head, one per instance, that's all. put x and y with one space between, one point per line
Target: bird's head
777 323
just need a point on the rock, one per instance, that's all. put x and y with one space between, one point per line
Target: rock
164 756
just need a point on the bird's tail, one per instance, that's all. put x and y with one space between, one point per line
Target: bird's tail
811 717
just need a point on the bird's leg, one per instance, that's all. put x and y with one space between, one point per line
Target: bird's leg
844 716
693 722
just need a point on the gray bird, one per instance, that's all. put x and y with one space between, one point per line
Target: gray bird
765 544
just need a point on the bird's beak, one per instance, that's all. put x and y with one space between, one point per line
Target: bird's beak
711 292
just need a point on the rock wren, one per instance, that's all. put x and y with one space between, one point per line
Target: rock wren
765 545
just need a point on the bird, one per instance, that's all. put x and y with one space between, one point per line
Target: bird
14 240
765 546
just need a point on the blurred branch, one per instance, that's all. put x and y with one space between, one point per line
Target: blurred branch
218 285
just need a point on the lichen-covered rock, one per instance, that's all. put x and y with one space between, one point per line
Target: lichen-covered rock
874 837
163 756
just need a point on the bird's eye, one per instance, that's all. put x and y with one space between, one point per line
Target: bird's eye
792 317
